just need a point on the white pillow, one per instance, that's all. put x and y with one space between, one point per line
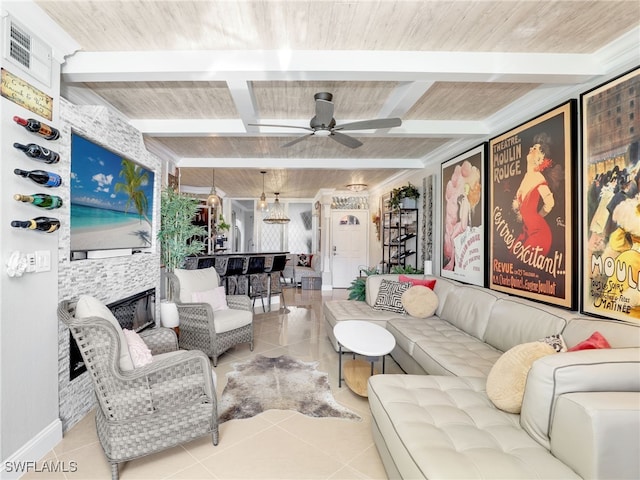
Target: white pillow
89 306
195 281
420 301
215 297
508 376
140 353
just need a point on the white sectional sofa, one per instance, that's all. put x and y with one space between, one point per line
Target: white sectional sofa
580 414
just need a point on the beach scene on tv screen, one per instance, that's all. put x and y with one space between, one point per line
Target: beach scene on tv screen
111 199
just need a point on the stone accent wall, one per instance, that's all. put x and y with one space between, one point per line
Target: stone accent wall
108 279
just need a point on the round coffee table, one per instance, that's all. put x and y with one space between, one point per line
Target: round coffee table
362 338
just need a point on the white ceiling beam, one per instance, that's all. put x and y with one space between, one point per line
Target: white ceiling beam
302 163
396 66
245 102
403 98
236 128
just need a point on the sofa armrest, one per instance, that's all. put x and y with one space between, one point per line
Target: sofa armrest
603 370
160 340
596 433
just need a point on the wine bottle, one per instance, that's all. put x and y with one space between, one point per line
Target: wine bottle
41 177
44 224
38 153
41 200
39 128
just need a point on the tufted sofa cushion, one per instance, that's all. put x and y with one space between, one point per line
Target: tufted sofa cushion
443 349
446 427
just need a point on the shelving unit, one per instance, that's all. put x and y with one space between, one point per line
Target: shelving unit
400 238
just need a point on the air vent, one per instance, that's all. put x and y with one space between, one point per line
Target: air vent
28 51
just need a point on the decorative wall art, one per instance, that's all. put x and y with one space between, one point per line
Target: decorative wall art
462 217
426 247
611 203
531 216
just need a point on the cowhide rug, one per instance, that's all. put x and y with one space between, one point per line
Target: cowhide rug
283 383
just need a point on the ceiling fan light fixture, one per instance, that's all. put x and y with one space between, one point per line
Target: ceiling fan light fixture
276 213
357 187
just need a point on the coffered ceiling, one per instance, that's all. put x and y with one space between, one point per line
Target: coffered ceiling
194 75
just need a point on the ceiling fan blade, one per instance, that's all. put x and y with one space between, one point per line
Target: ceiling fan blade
345 140
324 112
299 139
366 124
280 126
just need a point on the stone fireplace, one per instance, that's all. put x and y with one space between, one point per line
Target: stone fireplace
110 280
136 312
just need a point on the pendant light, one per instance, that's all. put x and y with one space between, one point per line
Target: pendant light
276 214
213 200
263 205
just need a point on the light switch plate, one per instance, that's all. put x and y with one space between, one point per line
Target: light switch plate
43 260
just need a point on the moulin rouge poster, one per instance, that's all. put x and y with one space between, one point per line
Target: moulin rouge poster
531 212
611 199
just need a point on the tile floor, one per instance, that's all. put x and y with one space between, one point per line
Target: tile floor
276 444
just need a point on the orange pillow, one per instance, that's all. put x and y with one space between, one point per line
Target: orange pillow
417 281
596 340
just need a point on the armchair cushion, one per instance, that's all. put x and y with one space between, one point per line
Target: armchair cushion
195 281
140 353
215 297
230 319
89 306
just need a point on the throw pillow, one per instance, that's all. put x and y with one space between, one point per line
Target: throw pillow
89 306
195 280
304 260
508 376
596 340
420 301
140 353
390 296
556 341
215 297
418 281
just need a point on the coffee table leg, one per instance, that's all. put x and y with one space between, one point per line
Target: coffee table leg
383 357
339 365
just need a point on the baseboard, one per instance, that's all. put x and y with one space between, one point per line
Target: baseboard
26 458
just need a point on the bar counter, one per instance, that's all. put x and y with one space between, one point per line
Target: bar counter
257 274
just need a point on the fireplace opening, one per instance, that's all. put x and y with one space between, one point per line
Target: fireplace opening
136 312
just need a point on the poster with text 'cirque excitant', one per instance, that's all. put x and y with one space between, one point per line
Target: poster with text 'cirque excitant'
531 215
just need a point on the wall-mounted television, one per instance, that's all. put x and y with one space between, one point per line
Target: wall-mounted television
111 199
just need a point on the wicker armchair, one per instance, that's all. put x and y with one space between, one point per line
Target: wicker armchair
142 410
200 327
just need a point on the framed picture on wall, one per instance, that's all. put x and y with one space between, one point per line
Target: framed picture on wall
610 201
462 217
531 215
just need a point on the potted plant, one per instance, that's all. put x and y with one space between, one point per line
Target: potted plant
404 197
179 237
357 290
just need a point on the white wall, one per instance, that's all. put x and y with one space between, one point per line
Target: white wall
28 327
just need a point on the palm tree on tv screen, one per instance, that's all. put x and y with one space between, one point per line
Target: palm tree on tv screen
134 178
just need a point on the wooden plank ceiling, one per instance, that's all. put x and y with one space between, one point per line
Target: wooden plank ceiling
193 76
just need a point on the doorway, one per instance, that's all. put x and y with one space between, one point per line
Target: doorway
349 246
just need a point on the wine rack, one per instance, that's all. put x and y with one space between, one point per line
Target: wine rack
399 239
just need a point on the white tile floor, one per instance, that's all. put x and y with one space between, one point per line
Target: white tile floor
276 444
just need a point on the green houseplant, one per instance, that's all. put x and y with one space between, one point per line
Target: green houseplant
400 193
178 236
357 289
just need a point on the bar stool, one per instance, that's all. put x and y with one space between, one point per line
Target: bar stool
234 268
276 277
256 278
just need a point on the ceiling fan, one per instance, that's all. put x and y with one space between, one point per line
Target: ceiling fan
324 125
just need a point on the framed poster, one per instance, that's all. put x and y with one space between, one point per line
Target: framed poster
532 224
610 203
462 217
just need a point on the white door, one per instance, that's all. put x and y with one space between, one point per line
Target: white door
349 245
